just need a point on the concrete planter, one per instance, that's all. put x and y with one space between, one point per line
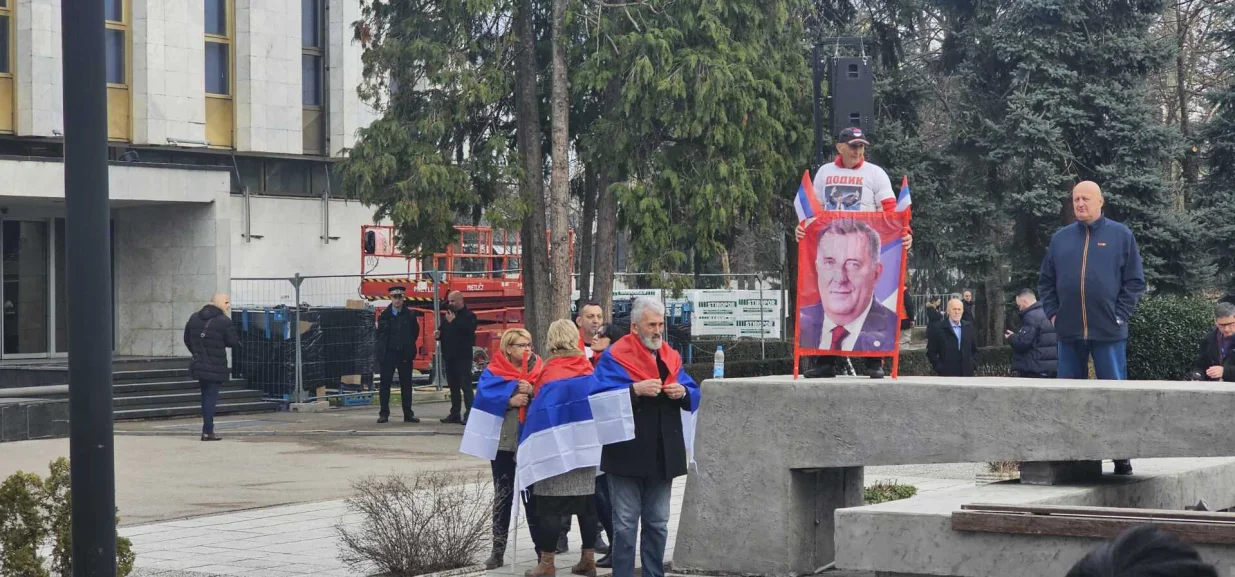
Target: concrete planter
470 571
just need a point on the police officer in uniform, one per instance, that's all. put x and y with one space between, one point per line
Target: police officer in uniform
397 330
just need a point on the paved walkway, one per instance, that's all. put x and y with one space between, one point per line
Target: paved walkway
301 540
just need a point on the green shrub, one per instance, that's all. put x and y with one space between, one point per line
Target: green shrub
36 512
884 492
991 362
1164 336
737 350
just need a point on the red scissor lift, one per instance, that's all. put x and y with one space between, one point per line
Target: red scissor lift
483 264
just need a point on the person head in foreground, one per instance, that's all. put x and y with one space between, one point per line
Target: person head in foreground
563 339
956 310
647 321
1087 201
851 146
848 268
1025 299
514 343
590 317
1144 551
454 301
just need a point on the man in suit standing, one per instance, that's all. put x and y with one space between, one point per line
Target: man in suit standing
848 318
397 331
458 337
951 346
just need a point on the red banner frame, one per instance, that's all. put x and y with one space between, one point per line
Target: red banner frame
807 278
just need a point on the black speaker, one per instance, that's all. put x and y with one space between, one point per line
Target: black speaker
370 242
853 94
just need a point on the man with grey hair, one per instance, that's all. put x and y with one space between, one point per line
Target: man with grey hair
643 375
1216 361
848 317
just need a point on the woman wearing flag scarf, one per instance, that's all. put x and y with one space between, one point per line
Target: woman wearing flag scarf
492 432
559 451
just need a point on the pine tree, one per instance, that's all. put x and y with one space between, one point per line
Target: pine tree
1056 94
1216 202
710 120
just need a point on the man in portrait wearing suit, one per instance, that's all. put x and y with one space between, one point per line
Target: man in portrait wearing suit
848 318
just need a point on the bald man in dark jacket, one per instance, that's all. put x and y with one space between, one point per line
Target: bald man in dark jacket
208 335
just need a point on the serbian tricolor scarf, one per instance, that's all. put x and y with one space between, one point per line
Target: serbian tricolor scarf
559 435
623 364
493 391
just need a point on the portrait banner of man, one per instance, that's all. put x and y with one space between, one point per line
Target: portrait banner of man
850 279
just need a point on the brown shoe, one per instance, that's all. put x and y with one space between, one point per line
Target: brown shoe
545 568
586 565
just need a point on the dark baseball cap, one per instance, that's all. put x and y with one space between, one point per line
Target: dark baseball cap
852 135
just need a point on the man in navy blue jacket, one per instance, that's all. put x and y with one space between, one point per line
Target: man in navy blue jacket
1090 282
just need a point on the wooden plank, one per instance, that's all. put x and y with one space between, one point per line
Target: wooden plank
1086 527
1104 512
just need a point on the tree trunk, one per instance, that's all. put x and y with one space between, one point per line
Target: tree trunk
559 184
1191 162
584 254
606 242
536 288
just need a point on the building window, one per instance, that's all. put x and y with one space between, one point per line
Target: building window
220 123
6 65
313 73
116 45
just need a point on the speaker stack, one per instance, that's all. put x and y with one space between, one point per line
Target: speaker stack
852 88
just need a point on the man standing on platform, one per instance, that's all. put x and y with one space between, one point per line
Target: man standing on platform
1090 282
458 337
397 331
852 183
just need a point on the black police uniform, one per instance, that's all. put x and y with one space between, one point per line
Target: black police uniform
396 348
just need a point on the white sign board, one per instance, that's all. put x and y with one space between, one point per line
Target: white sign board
731 313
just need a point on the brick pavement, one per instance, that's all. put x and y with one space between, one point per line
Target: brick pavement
301 540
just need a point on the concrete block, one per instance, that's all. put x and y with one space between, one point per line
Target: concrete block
1060 472
846 423
314 407
48 420
914 536
13 422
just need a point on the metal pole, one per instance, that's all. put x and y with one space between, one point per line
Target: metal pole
437 322
763 330
88 257
817 79
298 395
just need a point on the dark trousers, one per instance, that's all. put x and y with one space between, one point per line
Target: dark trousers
210 398
459 377
504 498
549 527
392 361
604 508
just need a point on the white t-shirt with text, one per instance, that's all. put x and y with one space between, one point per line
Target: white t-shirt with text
862 188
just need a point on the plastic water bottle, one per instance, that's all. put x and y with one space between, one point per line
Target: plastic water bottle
718 363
